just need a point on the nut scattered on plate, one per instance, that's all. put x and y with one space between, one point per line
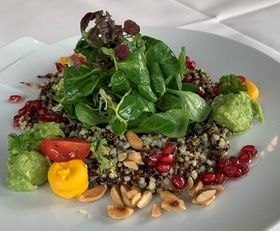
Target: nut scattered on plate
93 194
119 212
155 211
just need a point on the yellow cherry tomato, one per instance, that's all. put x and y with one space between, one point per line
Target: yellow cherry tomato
253 90
68 179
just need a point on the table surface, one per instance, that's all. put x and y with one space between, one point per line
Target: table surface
253 22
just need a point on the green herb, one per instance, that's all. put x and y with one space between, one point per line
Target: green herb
231 84
101 150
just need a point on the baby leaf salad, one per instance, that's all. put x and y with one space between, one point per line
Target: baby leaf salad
128 81
125 113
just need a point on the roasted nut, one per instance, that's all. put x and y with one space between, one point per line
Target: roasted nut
122 156
204 203
134 140
119 212
164 195
116 197
135 199
145 199
136 157
93 194
205 195
155 211
190 182
218 187
173 205
196 188
132 193
126 200
130 164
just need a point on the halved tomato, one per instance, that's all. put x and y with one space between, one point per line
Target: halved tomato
61 150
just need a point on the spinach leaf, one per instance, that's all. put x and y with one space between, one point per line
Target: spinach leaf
190 87
157 80
133 106
119 83
88 116
168 102
118 127
135 70
172 123
196 106
81 82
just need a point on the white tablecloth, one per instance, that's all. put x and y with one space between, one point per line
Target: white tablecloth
253 22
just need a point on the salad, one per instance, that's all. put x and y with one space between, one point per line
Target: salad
124 114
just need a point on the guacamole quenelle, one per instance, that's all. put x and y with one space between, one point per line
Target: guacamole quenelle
27 167
235 111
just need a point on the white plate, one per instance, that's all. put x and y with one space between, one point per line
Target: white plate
251 203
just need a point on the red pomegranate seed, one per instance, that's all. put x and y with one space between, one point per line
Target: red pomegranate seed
15 98
150 163
242 78
42 111
191 65
167 159
208 178
219 178
162 168
251 149
34 103
155 157
178 181
233 161
215 89
23 110
244 157
16 121
222 163
244 167
232 171
169 148
201 92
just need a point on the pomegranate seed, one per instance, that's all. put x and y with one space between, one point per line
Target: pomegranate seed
162 168
201 92
219 178
16 121
23 110
178 181
215 89
15 98
244 167
222 163
155 157
233 161
169 148
208 178
42 111
191 65
150 163
244 157
35 103
251 149
167 159
242 78
232 171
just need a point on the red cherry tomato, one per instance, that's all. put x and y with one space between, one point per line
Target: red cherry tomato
61 150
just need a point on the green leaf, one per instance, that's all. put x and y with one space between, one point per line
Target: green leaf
118 127
195 105
88 116
119 83
81 82
168 102
190 87
133 106
172 123
157 80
